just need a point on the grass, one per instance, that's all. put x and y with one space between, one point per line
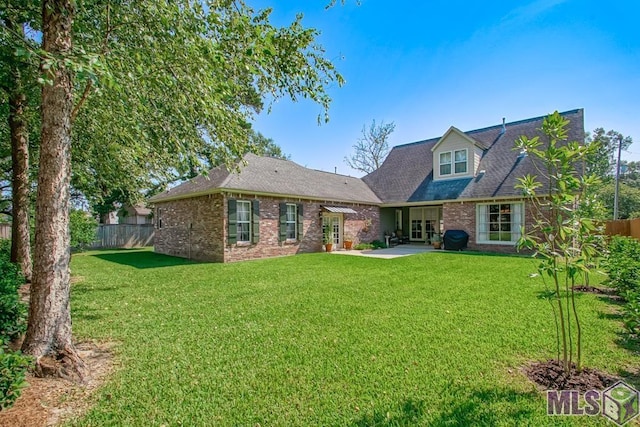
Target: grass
319 339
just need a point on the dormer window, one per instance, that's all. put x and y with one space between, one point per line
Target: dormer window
455 161
445 163
460 161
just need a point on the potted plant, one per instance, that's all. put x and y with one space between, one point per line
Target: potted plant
348 242
328 237
436 241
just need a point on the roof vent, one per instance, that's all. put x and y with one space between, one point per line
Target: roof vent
504 126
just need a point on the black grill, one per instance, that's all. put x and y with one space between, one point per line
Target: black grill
455 240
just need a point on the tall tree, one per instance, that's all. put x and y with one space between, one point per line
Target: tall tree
602 160
631 174
157 81
371 148
17 80
628 200
48 334
263 146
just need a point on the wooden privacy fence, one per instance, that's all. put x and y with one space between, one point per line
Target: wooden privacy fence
123 236
110 236
624 227
5 231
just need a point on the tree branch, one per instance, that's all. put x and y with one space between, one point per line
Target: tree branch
89 86
81 101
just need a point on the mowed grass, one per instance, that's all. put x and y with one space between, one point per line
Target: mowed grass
321 339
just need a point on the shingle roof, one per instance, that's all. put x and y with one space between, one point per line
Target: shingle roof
407 173
268 175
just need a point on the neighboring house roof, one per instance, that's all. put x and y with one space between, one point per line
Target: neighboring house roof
407 173
140 209
273 176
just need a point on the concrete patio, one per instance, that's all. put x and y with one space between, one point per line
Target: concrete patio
388 253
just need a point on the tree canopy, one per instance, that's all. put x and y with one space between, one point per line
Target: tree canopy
133 91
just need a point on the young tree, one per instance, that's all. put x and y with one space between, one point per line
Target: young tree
371 148
561 236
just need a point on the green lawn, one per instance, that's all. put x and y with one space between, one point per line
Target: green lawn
320 339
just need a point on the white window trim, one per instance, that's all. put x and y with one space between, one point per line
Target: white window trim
440 163
294 222
466 162
515 225
238 222
453 163
398 220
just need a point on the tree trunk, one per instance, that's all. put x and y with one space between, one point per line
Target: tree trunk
48 335
20 237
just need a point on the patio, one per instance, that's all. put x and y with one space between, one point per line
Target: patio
389 253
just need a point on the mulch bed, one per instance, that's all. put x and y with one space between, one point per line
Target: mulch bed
551 376
594 290
53 401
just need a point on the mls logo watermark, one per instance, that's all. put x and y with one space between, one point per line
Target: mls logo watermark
619 403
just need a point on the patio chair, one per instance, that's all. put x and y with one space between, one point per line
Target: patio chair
402 239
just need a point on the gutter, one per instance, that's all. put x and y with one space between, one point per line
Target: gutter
260 193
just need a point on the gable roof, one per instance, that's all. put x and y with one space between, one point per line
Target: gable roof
407 173
272 176
464 136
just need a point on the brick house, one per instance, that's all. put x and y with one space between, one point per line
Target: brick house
270 207
462 181
459 181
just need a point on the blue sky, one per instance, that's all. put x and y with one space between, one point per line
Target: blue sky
427 65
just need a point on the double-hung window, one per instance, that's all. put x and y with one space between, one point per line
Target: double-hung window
244 221
460 161
445 163
292 221
499 223
453 162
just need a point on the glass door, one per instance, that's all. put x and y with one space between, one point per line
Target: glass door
335 222
425 223
417 224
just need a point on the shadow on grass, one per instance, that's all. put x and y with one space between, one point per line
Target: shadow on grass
485 254
411 412
489 407
624 339
141 260
470 408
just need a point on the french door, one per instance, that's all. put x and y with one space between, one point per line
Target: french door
424 222
335 222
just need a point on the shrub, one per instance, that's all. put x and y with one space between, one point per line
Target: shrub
377 244
12 310
624 275
363 246
13 368
631 313
83 229
622 264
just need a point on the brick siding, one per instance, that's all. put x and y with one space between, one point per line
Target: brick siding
196 228
462 216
